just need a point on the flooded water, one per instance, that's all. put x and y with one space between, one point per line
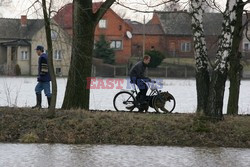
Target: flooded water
59 155
20 92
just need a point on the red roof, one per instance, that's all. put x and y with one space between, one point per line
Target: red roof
64 15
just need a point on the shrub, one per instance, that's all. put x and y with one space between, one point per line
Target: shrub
17 70
156 58
29 138
103 51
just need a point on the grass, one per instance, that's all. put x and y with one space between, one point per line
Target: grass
191 62
179 61
77 127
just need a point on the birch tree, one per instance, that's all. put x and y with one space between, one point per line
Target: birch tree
84 23
213 103
219 74
202 73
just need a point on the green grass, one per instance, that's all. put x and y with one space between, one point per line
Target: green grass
191 62
179 61
77 127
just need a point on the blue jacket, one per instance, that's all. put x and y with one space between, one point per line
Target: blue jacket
43 69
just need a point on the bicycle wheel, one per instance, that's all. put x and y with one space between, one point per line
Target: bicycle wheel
164 102
124 101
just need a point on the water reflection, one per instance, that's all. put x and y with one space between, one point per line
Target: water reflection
59 155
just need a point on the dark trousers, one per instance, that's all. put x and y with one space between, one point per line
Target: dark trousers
141 97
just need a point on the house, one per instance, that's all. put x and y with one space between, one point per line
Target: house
18 40
154 38
245 43
112 26
171 33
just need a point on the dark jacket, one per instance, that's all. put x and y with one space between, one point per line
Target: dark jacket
137 71
43 69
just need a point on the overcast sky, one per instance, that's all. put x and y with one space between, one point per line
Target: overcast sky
20 7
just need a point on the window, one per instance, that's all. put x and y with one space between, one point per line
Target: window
185 46
58 55
116 44
103 23
58 71
24 55
54 35
246 47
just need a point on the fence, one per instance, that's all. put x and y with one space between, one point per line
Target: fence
104 70
7 69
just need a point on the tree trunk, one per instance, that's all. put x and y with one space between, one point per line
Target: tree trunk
216 95
50 59
235 69
200 50
219 75
202 88
235 73
84 22
76 95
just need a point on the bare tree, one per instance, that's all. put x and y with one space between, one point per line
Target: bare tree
47 14
171 6
4 3
211 6
84 23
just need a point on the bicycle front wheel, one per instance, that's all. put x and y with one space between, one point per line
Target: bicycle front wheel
124 101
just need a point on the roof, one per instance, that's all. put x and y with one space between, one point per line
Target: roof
18 42
150 29
64 15
179 23
12 29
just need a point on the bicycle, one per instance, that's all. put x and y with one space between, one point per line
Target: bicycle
162 102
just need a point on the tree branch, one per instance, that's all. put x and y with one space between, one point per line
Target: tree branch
136 10
32 5
101 11
158 4
50 5
214 6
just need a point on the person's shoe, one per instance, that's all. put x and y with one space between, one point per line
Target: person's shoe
49 100
141 109
38 101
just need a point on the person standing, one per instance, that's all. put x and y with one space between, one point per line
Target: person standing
43 78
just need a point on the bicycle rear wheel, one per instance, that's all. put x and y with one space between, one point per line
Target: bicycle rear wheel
124 101
164 102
